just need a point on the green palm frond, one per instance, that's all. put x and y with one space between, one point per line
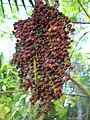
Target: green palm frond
23 2
2 8
32 3
9 1
16 4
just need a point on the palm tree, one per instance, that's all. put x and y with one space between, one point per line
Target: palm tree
32 3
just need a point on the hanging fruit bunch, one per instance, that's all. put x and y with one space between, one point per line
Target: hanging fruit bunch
42 55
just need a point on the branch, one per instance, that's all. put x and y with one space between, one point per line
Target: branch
80 22
83 9
81 87
81 95
78 43
11 91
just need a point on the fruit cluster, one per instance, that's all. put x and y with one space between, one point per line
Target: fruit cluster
42 55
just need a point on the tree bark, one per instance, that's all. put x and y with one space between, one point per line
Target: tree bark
79 110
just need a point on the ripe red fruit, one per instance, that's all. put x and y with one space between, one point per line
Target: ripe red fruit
42 53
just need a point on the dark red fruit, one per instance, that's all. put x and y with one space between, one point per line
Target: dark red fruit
42 55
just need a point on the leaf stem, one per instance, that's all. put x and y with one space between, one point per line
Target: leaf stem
11 91
78 43
87 92
35 70
78 22
83 9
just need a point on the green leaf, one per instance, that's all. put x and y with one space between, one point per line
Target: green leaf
14 10
7 109
1 13
4 87
47 1
1 59
14 112
63 111
14 17
16 4
10 4
74 19
2 7
31 2
2 112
